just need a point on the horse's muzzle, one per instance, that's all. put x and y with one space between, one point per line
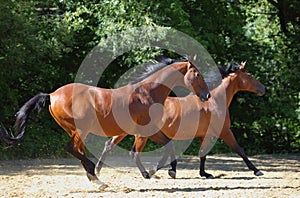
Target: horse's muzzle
205 96
261 91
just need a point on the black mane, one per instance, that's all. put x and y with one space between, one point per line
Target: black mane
168 61
149 69
231 68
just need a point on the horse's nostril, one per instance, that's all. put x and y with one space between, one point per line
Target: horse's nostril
205 96
208 96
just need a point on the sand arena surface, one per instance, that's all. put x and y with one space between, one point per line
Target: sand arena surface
66 178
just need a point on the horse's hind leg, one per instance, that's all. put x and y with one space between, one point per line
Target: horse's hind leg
169 151
137 148
76 147
109 145
172 171
230 140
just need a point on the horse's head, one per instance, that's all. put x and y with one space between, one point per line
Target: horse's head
245 81
194 80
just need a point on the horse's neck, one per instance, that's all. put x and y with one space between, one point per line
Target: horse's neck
229 86
170 76
160 84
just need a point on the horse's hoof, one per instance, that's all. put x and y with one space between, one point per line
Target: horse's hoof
102 186
99 185
154 177
96 182
258 173
91 177
146 175
151 172
97 168
172 173
207 175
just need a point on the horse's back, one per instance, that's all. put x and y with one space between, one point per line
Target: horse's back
74 102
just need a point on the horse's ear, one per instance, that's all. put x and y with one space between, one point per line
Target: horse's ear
192 58
189 65
243 65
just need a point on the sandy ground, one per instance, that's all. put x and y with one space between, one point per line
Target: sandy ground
66 178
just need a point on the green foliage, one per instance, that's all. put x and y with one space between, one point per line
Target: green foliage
272 121
44 42
31 46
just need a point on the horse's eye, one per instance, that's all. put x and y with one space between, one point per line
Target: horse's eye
197 75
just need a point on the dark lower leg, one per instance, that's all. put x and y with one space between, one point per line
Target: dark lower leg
249 164
202 168
172 171
204 144
230 140
88 165
173 165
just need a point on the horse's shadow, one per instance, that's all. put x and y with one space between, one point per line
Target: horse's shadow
188 189
178 189
222 176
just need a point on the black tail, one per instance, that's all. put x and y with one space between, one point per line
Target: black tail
37 103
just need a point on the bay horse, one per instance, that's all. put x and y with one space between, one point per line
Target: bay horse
235 78
81 109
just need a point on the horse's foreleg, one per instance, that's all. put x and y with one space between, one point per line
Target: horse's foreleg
137 148
240 152
202 169
109 145
231 141
202 165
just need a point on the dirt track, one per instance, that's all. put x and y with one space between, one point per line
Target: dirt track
66 178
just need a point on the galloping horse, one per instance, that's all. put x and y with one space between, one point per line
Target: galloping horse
235 78
81 109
